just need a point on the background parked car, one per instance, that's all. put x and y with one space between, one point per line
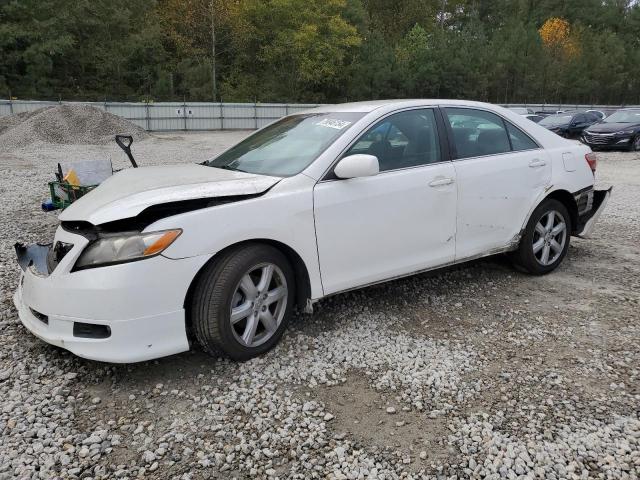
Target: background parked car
534 118
598 113
619 130
569 124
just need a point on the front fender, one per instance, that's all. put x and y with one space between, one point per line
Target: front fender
284 215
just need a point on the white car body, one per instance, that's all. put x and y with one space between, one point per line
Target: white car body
342 234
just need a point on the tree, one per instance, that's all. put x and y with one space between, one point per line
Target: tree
321 51
291 50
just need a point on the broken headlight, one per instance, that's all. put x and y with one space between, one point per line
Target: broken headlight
121 248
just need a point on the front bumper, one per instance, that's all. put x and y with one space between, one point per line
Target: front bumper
136 309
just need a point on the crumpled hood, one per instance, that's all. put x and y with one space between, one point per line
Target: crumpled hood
130 191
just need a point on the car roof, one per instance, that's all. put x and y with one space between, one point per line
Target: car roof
365 107
566 113
371 105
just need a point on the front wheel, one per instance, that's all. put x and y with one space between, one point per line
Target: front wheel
546 238
242 302
634 146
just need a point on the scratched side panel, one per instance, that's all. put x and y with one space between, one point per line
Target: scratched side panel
495 194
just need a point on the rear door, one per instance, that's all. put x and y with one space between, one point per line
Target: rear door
500 172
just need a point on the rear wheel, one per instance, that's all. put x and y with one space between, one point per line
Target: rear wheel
243 301
546 238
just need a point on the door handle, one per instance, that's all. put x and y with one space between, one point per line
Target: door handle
441 182
537 163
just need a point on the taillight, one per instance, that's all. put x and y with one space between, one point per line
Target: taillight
592 160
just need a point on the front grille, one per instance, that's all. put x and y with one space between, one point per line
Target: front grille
599 138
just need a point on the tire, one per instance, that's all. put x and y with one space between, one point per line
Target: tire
537 239
224 285
634 146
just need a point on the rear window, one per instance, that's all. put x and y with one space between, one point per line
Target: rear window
552 120
478 133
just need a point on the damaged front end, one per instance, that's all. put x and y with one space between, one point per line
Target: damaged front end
33 255
41 258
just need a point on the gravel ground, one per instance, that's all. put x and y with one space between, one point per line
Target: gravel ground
475 372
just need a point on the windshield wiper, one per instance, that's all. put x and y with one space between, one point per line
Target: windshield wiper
229 167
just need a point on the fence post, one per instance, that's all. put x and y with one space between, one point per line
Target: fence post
146 108
255 115
221 116
184 113
10 104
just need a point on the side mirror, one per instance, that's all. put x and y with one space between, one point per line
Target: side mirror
355 166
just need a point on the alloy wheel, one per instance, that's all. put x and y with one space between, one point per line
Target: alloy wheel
636 143
258 304
549 237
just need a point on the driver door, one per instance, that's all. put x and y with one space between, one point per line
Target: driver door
578 124
397 222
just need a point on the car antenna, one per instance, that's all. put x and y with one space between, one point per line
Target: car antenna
124 142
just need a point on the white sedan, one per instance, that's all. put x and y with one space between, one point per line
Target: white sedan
316 203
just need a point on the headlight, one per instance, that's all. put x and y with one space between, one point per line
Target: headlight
629 131
109 250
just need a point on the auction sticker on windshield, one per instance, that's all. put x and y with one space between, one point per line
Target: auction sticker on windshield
333 123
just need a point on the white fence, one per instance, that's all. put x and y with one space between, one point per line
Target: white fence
172 116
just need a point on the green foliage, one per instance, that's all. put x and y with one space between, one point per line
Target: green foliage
318 51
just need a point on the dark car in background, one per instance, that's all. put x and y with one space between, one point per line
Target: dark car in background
619 130
598 113
534 117
569 124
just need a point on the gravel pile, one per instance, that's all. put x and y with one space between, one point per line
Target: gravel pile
65 124
477 372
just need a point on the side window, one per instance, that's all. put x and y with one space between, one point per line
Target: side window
405 139
519 139
477 132
579 118
373 135
397 138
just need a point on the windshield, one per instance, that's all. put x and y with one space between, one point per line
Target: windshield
624 116
287 146
553 120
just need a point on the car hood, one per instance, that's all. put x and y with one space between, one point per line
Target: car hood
130 191
555 127
611 127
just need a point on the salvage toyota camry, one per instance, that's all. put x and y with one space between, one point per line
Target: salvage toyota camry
316 203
